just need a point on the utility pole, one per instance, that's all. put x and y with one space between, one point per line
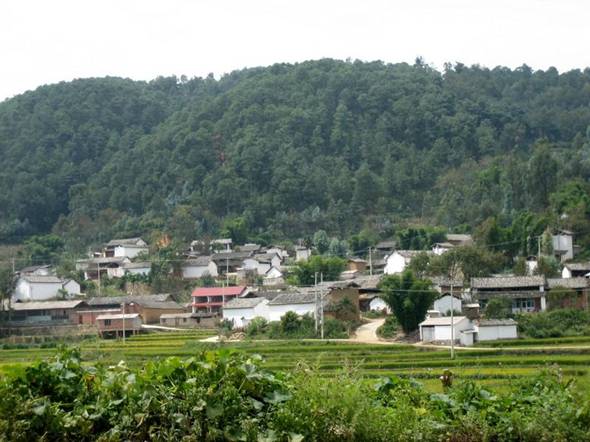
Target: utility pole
452 321
371 261
123 309
539 247
98 272
322 305
317 310
452 277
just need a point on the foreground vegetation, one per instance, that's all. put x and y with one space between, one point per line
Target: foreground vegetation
224 395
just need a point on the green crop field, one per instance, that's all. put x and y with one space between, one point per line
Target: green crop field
495 364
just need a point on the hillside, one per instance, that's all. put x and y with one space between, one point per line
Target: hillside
286 150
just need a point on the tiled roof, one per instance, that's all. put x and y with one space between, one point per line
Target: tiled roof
117 316
125 242
47 305
199 261
578 266
459 237
243 303
570 283
293 298
218 291
137 265
507 282
38 279
443 320
494 322
445 281
111 300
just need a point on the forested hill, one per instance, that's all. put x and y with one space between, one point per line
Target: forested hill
290 149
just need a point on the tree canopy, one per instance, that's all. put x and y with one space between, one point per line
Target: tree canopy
290 149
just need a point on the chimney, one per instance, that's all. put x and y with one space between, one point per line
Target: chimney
471 311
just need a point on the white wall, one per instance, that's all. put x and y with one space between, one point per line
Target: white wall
494 332
27 291
275 312
378 304
129 252
444 304
72 287
443 332
564 243
302 255
242 316
565 273
396 263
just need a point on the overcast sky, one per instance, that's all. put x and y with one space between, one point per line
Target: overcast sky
44 41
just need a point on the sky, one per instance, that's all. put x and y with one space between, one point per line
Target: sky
44 42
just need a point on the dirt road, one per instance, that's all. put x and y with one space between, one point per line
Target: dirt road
367 333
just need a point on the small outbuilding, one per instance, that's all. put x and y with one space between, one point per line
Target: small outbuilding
189 320
439 329
119 324
494 329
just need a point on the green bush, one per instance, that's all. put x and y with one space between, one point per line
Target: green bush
225 395
257 327
554 323
389 328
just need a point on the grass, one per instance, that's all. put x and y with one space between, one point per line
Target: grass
495 364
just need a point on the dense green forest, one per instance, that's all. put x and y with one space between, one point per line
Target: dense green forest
283 151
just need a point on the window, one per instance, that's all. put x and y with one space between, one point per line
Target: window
183 319
107 322
523 305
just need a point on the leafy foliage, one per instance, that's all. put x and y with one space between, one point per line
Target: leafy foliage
287 150
408 297
554 323
329 266
222 395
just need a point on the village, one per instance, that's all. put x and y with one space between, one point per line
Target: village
249 281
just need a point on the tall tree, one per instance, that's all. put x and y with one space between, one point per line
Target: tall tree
408 297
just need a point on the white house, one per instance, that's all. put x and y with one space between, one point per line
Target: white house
302 253
273 277
242 310
399 260
262 263
42 288
137 268
279 251
439 329
442 247
111 267
447 302
127 247
563 245
198 267
300 303
574 269
221 245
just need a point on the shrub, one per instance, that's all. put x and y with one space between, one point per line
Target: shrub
498 308
257 326
389 328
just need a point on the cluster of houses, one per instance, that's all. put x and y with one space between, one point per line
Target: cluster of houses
41 297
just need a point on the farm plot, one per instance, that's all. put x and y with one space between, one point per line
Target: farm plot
496 366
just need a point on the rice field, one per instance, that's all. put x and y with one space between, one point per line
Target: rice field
494 364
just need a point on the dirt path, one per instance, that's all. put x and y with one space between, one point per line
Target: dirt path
367 333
